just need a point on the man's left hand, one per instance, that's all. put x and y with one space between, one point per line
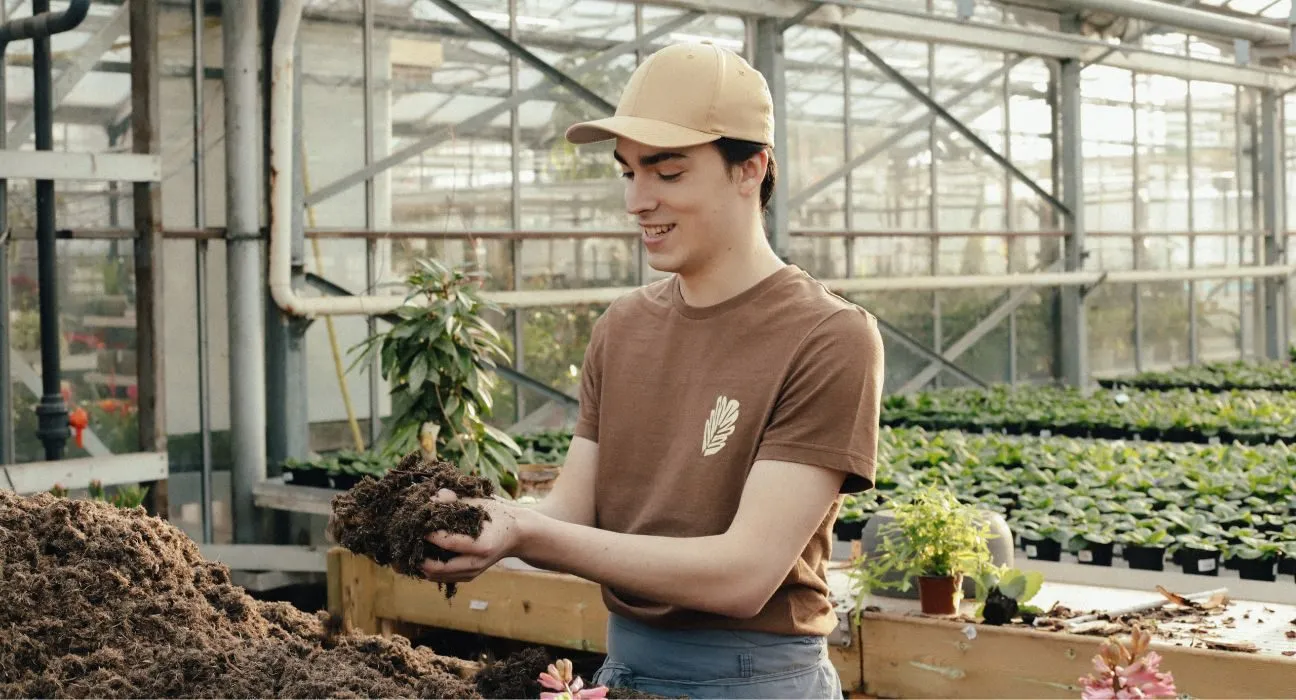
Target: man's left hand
499 538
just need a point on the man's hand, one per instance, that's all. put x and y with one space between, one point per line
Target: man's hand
499 538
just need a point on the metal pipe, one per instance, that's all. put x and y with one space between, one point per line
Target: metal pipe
6 330
371 205
1188 19
244 261
200 276
51 412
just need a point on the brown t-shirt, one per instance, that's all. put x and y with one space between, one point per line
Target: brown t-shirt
684 400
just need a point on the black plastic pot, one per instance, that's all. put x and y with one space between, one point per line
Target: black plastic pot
1286 566
1146 558
1199 562
307 477
1096 554
1261 569
849 532
346 481
1043 550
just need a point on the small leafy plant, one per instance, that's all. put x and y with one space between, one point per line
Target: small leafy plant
1004 593
1128 671
122 496
559 679
439 358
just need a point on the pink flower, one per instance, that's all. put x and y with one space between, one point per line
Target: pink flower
559 677
1128 672
551 683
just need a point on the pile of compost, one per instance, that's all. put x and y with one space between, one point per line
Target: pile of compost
388 519
106 602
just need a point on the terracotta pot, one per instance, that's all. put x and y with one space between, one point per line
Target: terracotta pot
939 594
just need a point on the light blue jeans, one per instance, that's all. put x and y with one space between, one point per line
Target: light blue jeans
716 663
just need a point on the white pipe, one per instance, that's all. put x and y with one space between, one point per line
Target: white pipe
281 198
1187 18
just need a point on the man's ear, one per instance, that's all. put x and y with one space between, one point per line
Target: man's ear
752 173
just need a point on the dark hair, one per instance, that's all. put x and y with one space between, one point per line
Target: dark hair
736 152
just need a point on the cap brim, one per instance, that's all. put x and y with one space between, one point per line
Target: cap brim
650 132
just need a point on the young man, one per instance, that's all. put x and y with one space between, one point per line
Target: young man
723 411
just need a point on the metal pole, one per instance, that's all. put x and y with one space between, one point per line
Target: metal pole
244 263
371 205
6 330
1194 343
933 212
769 61
1136 242
1010 215
515 213
848 147
1075 341
1274 289
52 411
200 273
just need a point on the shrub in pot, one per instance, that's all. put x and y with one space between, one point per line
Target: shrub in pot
932 538
1256 560
1197 555
1145 548
1041 536
1093 543
1004 592
1287 557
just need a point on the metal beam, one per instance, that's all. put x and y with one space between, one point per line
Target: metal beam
902 131
1271 178
769 61
1186 20
59 165
484 117
894 21
523 53
1074 337
959 126
916 346
87 55
1015 299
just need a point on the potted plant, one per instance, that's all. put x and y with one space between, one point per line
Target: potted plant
1093 543
1255 559
1287 556
932 538
1144 547
1041 536
850 522
1197 555
1004 593
440 358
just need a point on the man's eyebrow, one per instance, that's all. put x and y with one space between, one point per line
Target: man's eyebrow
650 160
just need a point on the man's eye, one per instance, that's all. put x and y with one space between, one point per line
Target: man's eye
668 178
628 176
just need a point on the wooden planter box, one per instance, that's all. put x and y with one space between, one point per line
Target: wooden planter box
902 656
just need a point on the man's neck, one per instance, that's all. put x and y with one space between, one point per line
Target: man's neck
730 275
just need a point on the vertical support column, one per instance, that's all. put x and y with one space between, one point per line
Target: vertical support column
6 383
1074 336
146 130
933 212
371 205
1194 330
200 273
245 262
848 150
1137 242
1275 289
515 215
1010 214
769 61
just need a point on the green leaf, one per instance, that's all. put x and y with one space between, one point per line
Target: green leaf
418 372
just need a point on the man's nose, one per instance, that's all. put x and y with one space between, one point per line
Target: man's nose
639 198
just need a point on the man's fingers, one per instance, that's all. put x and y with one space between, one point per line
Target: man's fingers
462 544
447 496
459 569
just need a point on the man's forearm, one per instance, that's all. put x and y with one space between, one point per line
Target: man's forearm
701 573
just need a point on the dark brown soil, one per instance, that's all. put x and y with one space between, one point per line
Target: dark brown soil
105 602
388 519
517 676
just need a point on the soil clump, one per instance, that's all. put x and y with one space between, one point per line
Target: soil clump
106 602
388 519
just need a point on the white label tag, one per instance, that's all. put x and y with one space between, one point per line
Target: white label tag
1031 551
1046 433
1205 564
477 605
1086 555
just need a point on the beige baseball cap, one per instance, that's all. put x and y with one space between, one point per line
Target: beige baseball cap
687 95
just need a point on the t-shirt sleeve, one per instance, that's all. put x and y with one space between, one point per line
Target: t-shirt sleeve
587 421
828 409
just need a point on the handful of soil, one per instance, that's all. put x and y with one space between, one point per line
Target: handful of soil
388 519
101 601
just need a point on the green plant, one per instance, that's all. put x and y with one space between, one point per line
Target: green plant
439 358
932 535
1004 592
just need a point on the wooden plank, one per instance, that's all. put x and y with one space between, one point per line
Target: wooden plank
275 494
146 138
33 477
908 656
267 557
356 579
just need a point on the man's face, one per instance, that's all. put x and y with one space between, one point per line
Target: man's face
684 200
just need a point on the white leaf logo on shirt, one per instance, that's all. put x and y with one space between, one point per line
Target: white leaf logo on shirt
719 426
